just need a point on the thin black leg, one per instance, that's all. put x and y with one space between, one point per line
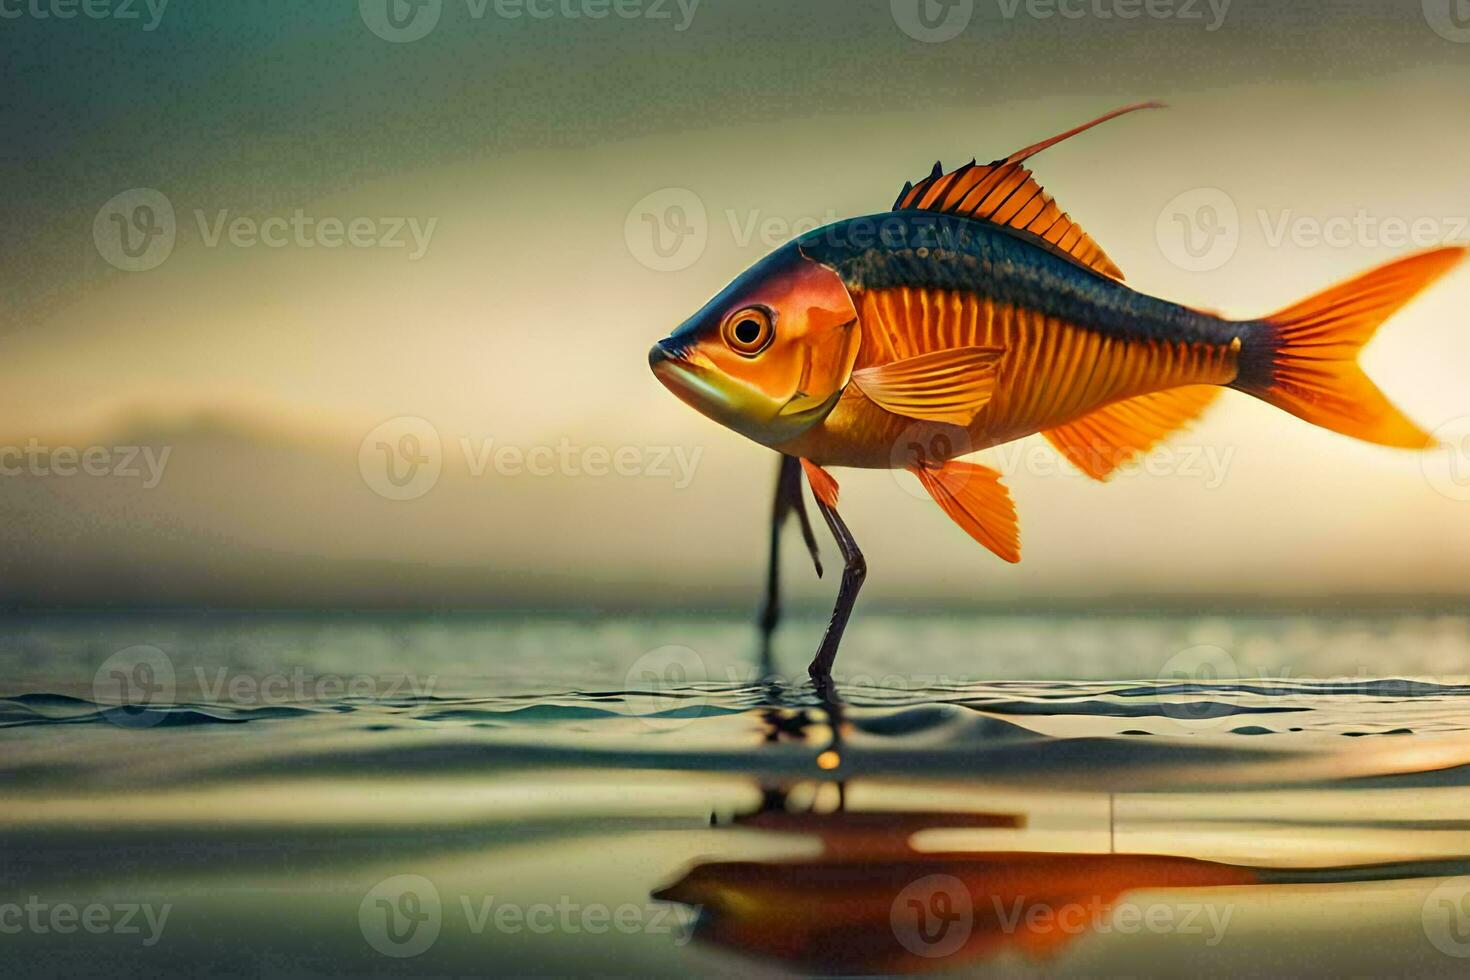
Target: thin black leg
854 571
788 499
798 503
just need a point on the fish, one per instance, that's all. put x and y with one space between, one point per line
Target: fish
976 312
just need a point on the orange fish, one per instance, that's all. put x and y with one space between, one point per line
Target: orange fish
977 312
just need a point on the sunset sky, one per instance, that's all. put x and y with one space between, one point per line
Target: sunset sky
460 238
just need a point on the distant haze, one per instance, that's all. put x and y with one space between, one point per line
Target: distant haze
256 365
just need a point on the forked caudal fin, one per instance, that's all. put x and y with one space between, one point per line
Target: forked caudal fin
1305 358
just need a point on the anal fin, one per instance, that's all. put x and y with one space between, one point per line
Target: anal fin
975 499
1101 441
942 386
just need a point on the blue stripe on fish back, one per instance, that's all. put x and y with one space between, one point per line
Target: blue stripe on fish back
939 251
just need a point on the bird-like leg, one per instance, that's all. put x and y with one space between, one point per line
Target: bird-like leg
788 500
854 571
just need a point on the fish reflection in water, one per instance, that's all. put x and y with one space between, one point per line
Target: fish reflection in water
872 901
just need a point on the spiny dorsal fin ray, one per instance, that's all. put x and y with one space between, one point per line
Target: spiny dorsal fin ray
1101 441
1005 192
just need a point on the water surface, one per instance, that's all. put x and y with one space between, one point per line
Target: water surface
1089 795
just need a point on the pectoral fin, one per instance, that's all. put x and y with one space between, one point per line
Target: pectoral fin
1101 441
975 499
943 386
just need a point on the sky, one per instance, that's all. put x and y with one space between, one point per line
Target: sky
301 308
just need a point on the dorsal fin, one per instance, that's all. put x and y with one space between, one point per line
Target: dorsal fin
1005 192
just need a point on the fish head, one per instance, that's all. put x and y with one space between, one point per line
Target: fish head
770 355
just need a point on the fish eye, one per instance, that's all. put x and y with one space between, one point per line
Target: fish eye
749 331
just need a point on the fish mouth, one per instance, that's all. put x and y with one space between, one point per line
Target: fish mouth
661 353
678 372
702 386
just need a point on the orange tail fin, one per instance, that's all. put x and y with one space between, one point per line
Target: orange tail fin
1305 358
